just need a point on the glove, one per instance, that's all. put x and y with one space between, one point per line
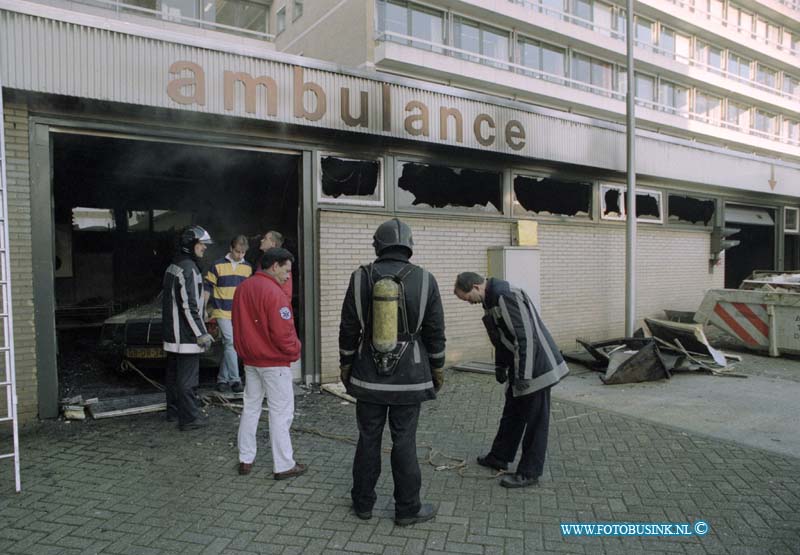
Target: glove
500 374
438 378
344 375
205 341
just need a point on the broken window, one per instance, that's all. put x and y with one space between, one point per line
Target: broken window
790 220
92 219
424 185
691 210
545 196
648 206
350 181
612 205
614 199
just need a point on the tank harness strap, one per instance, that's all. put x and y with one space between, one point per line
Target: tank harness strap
357 292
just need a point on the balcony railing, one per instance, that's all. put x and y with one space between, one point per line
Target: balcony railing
166 15
451 51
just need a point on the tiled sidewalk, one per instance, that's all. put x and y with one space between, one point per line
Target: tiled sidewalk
136 485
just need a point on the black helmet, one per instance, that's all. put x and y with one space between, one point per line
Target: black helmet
393 233
192 235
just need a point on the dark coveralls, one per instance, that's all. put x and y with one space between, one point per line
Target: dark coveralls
400 394
534 364
182 317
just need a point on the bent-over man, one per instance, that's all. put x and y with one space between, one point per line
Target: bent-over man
527 358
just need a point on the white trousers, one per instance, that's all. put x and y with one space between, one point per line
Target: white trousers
276 383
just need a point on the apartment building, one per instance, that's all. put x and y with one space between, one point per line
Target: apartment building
472 120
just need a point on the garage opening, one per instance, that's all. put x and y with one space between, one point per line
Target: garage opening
119 205
756 248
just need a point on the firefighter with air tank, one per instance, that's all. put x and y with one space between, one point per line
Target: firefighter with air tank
392 353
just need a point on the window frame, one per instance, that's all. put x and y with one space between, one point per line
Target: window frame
399 161
796 229
606 186
295 4
349 200
280 20
523 213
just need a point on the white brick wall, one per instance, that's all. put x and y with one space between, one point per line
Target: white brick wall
583 275
443 247
19 221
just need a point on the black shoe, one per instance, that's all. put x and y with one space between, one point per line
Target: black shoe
222 387
518 481
236 387
490 461
426 512
196 424
363 515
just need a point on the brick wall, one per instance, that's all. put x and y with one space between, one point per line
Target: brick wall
443 247
19 221
583 277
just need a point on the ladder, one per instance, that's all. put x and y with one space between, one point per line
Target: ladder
6 321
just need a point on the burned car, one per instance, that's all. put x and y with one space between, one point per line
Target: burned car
135 334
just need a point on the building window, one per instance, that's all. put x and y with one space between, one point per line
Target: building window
767 31
764 123
544 196
791 131
613 200
766 76
675 45
715 9
597 73
709 56
707 107
791 86
552 7
740 19
455 189
673 98
603 18
297 9
645 90
582 12
645 34
280 21
544 58
691 210
739 66
481 39
410 20
737 116
350 180
790 220
242 14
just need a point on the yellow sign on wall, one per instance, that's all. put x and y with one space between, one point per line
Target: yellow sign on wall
526 234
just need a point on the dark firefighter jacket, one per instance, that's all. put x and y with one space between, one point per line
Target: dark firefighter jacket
521 341
182 307
411 381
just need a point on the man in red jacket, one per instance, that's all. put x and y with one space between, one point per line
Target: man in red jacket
266 340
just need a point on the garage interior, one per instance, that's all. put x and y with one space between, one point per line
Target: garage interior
756 248
119 205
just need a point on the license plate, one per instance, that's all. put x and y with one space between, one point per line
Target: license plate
145 352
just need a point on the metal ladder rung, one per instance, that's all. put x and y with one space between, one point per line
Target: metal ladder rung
6 419
8 456
5 384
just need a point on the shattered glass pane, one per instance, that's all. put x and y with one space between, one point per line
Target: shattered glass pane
350 178
691 210
545 196
611 202
423 185
648 206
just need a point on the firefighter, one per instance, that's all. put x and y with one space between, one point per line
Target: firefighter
527 358
184 330
391 348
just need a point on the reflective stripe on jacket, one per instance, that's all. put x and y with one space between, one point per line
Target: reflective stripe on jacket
524 344
411 381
